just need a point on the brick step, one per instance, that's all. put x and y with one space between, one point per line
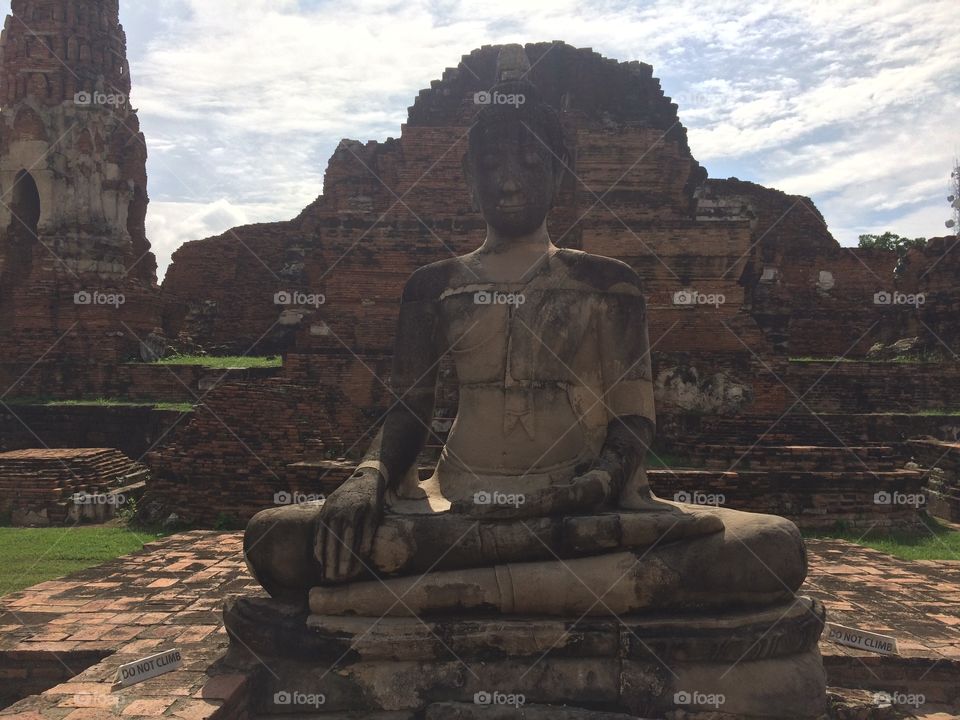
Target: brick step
791 457
40 483
824 429
812 499
799 476
102 511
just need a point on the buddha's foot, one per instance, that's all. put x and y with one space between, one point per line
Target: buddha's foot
407 544
279 543
757 560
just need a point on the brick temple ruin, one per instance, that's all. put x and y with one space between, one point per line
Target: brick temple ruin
77 277
741 416
816 441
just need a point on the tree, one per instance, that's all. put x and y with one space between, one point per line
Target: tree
891 241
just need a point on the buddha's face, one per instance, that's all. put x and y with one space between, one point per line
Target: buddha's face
513 177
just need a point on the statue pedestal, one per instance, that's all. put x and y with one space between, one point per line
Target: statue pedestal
762 663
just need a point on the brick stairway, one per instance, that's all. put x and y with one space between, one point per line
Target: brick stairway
943 483
818 470
37 486
792 457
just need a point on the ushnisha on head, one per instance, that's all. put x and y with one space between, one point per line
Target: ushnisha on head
517 155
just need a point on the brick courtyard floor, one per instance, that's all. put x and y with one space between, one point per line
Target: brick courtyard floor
170 595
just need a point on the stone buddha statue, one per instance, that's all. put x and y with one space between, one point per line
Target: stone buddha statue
539 503
545 462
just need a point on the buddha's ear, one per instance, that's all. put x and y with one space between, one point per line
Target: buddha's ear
469 178
561 169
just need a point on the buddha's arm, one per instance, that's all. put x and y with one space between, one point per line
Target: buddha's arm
352 513
624 454
413 391
618 473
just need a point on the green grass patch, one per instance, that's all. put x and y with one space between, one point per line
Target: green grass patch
811 359
904 359
32 555
224 362
936 541
657 460
103 402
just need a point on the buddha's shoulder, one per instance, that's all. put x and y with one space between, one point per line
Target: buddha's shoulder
598 272
429 282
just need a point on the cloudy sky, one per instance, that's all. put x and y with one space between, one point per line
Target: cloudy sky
852 102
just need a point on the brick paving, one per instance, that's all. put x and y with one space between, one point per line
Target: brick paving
170 595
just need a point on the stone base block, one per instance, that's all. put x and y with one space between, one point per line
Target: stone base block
762 663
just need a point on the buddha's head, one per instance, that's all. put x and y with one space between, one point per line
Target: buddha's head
517 155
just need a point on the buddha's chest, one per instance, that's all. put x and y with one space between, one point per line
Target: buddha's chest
519 334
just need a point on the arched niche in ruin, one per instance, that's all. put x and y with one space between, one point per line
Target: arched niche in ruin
137 213
21 233
39 86
84 143
25 13
28 125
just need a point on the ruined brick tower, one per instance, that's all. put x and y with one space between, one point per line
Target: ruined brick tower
77 278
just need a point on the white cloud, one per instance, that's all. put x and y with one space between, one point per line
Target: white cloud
170 224
243 101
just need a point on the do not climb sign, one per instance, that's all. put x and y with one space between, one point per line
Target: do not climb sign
140 670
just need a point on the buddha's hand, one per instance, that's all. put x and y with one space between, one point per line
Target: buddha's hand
348 522
583 493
